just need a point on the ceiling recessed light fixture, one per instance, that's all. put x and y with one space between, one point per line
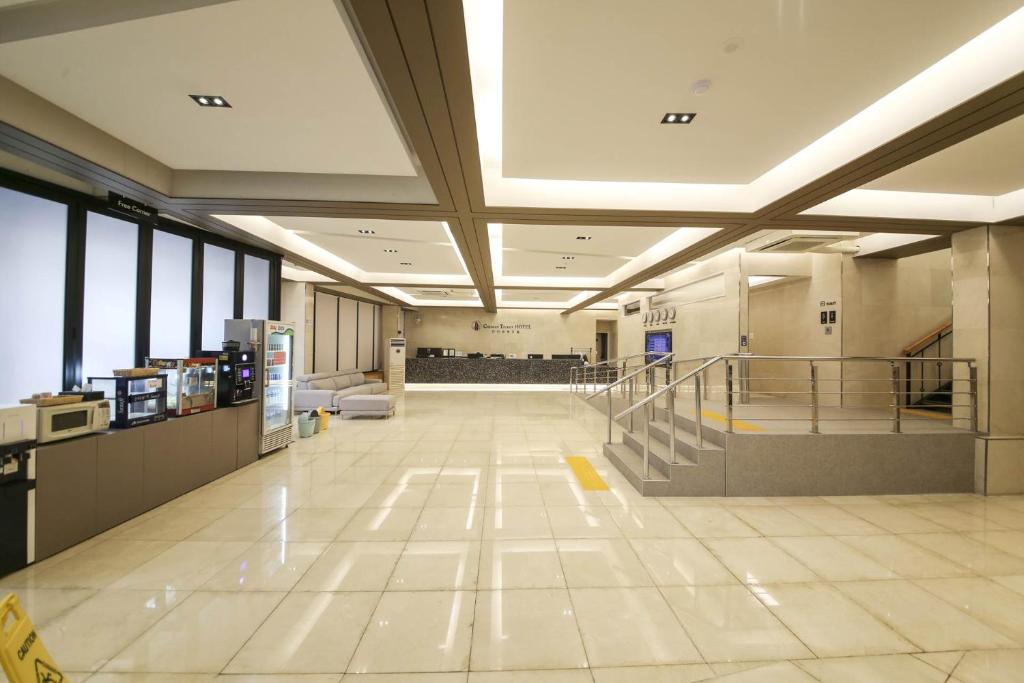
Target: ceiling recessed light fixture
210 101
678 118
584 237
405 263
366 231
391 251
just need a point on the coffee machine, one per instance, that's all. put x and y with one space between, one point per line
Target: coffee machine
236 375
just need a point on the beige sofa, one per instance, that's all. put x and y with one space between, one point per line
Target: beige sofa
328 388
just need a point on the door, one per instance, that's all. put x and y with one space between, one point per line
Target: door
277 384
602 346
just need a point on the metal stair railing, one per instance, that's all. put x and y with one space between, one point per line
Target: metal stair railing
591 369
628 384
893 389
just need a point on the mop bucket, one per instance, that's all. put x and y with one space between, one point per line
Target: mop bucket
22 654
307 425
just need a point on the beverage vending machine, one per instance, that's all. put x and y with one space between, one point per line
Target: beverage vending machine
273 345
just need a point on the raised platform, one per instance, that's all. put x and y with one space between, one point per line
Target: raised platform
488 370
761 461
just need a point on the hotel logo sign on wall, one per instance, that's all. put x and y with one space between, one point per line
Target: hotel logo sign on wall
502 328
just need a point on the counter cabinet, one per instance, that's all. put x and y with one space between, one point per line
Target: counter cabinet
87 485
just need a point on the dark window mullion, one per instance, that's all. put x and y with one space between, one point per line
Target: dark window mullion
143 294
239 284
74 295
196 330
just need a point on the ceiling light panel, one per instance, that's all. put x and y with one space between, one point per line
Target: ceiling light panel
679 118
215 101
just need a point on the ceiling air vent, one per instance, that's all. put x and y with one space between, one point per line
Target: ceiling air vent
797 241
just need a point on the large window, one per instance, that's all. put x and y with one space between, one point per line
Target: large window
111 271
86 289
33 259
170 320
218 294
256 293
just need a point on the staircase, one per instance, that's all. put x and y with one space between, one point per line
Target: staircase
934 393
695 472
865 451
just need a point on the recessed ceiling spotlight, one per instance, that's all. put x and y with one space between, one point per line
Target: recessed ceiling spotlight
678 118
584 237
568 258
366 231
210 101
391 251
700 87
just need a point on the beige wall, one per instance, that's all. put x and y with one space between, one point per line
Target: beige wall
549 331
887 305
971 311
784 321
882 305
294 310
701 328
988 321
1006 381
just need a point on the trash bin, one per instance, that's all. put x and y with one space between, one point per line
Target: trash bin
325 418
307 425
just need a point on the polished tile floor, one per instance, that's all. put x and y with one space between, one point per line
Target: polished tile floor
452 543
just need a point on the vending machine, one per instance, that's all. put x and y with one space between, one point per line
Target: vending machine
273 346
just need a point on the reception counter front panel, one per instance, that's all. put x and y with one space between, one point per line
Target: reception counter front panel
488 370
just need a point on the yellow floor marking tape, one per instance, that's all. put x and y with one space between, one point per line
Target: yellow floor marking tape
736 424
22 654
588 477
927 413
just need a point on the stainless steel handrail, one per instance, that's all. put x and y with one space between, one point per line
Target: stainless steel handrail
591 368
669 391
660 361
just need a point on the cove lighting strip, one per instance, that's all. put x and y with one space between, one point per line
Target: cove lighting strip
983 62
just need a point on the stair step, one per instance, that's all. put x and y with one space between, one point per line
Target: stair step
659 452
635 462
684 436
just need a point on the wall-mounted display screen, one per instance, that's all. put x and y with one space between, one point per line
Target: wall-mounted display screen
659 341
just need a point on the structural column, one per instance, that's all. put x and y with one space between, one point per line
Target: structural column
988 324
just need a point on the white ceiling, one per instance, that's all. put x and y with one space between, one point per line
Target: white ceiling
441 293
424 244
586 82
538 250
530 263
991 163
546 295
302 98
561 239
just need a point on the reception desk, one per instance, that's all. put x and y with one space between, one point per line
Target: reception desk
489 370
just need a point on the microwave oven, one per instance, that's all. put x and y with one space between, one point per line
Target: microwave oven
71 419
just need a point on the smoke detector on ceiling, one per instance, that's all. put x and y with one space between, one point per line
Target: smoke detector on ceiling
797 241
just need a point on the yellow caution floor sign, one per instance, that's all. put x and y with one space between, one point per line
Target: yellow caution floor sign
22 654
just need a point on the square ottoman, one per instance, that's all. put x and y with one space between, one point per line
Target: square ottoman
370 405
